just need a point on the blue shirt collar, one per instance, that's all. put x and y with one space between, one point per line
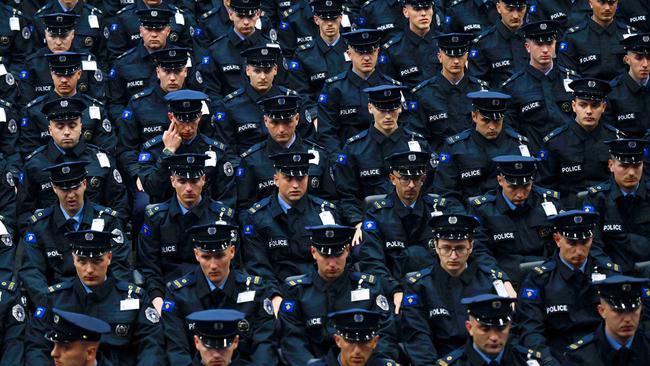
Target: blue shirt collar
212 285
614 343
183 209
633 193
283 204
582 266
508 202
88 289
485 357
412 205
76 217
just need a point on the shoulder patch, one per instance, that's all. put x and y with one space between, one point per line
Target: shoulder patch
545 191
141 94
214 143
544 268
36 100
248 279
420 85
33 153
334 78
358 276
219 208
514 134
8 286
512 78
253 149
152 142
125 53
305 46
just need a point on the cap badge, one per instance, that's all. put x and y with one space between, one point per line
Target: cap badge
264 51
626 287
387 93
646 39
56 319
296 158
631 144
496 102
358 318
412 157
496 304
186 104
59 19
190 159
454 39
543 26
329 234
281 101
452 220
591 83
519 166
62 58
218 326
577 219
212 230
328 3
64 103
172 53
89 236
365 35
65 170
154 13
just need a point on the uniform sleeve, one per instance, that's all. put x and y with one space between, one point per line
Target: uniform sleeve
567 55
153 173
117 96
479 65
415 119
446 179
148 335
388 327
210 71
298 79
530 311
121 248
256 253
483 251
114 192
246 185
348 185
14 324
287 37
293 340
415 329
371 252
223 183
37 348
224 128
30 136
149 258
105 133
10 147
128 142
26 88
32 270
117 42
264 337
328 125
27 198
548 167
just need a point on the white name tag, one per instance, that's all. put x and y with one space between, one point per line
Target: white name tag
595 277
3 229
129 304
436 213
97 225
567 81
94 112
345 21
327 218
3 70
212 161
347 57
523 149
204 107
103 160
415 146
258 24
3 115
500 288
89 65
246 296
179 19
93 22
316 158
14 24
189 62
360 295
549 208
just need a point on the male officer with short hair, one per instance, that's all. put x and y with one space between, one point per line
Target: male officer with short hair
76 338
216 335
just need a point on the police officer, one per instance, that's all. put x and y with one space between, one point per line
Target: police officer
215 285
216 335
76 338
566 12
68 78
575 156
514 221
498 52
13 324
182 136
239 118
135 336
59 35
396 230
470 16
635 13
133 70
489 326
466 168
383 15
592 48
628 104
361 168
296 27
409 55
439 106
255 172
9 135
105 185
124 33
432 314
88 30
212 19
541 97
221 70
342 104
46 250
7 221
273 229
356 337
330 287
146 115
623 204
618 340
557 301
324 56
16 40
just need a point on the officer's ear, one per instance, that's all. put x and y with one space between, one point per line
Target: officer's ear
405 12
601 310
109 257
141 30
231 14
439 55
71 34
276 177
610 165
573 105
393 178
91 350
340 342
166 31
370 108
313 252
557 238
527 46
468 327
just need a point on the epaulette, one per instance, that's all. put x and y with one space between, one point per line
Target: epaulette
576 27
435 199
336 77
209 13
297 280
153 209
368 2
456 2
60 286
127 52
454 355
43 8
41 214
581 342
260 204
491 271
613 129
287 91
392 41
36 151
186 280
358 276
5 103
252 149
484 34
36 100
305 46
152 142
105 210
230 96
128 286
357 137
8 286
610 266
313 144
141 94
413 133
413 277
391 80
477 201
514 134
214 143
321 202
93 9
420 86
385 203
293 9
564 70
96 101
480 82
128 7
464 135
555 132
513 77
219 207
12 10
531 354
630 29
246 278
545 191
544 267
217 39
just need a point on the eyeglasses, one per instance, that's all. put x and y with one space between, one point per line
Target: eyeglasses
446 251
405 180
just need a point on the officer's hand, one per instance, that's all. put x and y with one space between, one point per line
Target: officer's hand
277 301
171 139
358 235
511 291
157 304
397 300
138 185
315 122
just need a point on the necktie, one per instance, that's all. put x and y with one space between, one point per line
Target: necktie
71 224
